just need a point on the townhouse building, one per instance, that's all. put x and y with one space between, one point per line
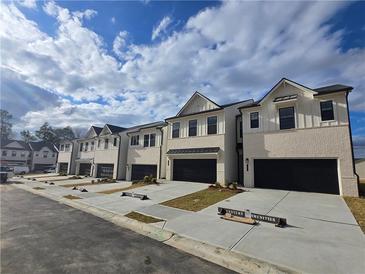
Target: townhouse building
298 138
67 156
102 152
37 156
147 151
202 143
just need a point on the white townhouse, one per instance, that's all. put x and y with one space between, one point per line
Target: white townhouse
299 138
44 155
66 157
202 143
146 151
102 152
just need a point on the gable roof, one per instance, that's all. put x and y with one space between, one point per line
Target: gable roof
114 129
37 146
146 126
4 142
97 129
196 93
315 91
219 107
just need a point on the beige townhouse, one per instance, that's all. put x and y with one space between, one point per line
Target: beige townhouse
299 138
102 152
147 151
67 156
202 143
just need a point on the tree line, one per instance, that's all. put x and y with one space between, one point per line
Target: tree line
45 133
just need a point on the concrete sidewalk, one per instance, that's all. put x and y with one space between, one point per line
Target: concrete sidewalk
322 236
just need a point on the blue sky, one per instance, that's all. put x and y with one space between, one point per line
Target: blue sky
82 62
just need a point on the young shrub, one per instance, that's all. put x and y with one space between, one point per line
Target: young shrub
154 181
146 179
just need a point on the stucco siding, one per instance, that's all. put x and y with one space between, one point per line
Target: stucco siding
326 142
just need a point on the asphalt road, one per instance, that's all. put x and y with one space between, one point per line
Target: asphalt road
42 236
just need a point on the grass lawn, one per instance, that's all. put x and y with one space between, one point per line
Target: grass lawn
199 200
136 185
357 205
142 218
71 197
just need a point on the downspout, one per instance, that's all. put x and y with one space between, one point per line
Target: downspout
119 148
352 148
160 161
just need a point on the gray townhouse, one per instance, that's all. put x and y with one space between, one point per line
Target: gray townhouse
36 156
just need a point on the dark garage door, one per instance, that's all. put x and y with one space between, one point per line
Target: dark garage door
63 167
85 169
41 167
311 175
139 171
195 170
105 171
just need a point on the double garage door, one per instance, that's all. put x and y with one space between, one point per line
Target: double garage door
310 175
139 171
195 170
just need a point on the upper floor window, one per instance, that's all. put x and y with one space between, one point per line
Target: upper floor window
86 146
45 154
67 147
106 143
36 155
81 146
212 125
146 140
22 154
13 153
193 127
115 141
152 140
92 146
135 140
240 129
4 153
62 147
176 130
286 117
254 119
98 143
53 154
327 111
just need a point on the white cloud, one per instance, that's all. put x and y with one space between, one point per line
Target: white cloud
231 52
120 44
161 27
28 3
113 20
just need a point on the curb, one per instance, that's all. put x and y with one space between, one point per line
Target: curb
226 258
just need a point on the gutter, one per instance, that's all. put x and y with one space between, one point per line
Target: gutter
352 147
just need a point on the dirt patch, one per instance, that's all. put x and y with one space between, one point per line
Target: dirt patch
38 188
142 218
72 197
199 200
135 185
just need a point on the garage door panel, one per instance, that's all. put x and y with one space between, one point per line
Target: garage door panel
105 171
195 170
310 175
139 171
85 169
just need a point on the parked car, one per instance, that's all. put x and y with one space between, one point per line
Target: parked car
20 169
50 170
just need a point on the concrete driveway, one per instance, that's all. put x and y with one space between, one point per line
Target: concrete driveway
322 236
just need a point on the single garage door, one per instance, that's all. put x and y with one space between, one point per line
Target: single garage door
41 167
195 170
63 167
105 171
139 171
85 169
310 175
